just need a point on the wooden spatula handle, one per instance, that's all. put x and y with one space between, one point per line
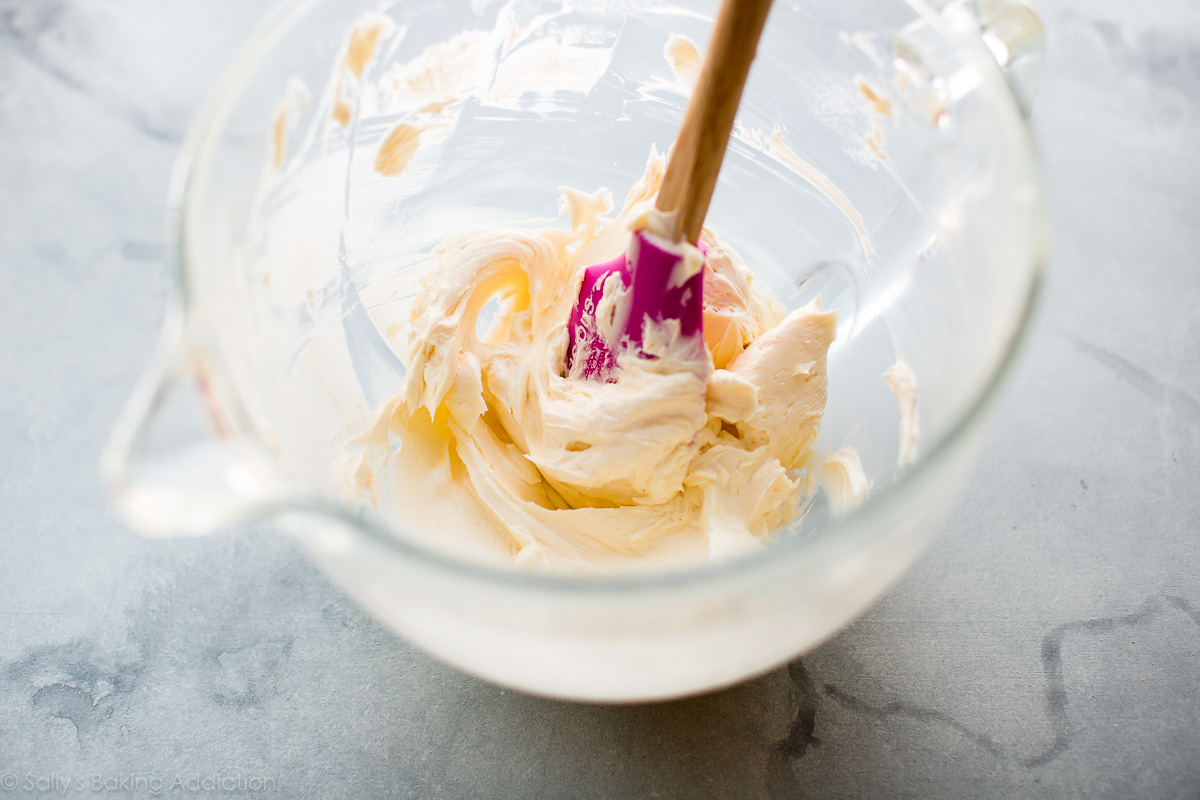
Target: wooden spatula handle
700 147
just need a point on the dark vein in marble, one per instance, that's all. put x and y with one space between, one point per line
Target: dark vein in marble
1052 668
1163 57
23 41
1171 396
71 703
89 683
1184 606
800 736
1052 665
913 711
1056 690
75 682
245 685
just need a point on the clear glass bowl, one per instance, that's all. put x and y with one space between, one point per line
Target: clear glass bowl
881 159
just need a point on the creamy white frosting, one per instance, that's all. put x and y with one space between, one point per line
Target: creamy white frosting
492 448
844 481
903 383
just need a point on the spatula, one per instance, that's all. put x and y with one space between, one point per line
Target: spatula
650 268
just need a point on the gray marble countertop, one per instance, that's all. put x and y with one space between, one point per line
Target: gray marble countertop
1047 645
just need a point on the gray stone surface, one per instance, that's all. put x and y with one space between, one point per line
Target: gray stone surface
1048 645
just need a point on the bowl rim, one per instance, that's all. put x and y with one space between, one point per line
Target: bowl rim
187 182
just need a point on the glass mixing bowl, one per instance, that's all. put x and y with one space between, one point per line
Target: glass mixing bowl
881 159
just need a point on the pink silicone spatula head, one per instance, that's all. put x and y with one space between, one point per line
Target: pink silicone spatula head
646 271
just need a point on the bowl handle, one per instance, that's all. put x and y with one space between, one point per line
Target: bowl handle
175 464
1014 35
